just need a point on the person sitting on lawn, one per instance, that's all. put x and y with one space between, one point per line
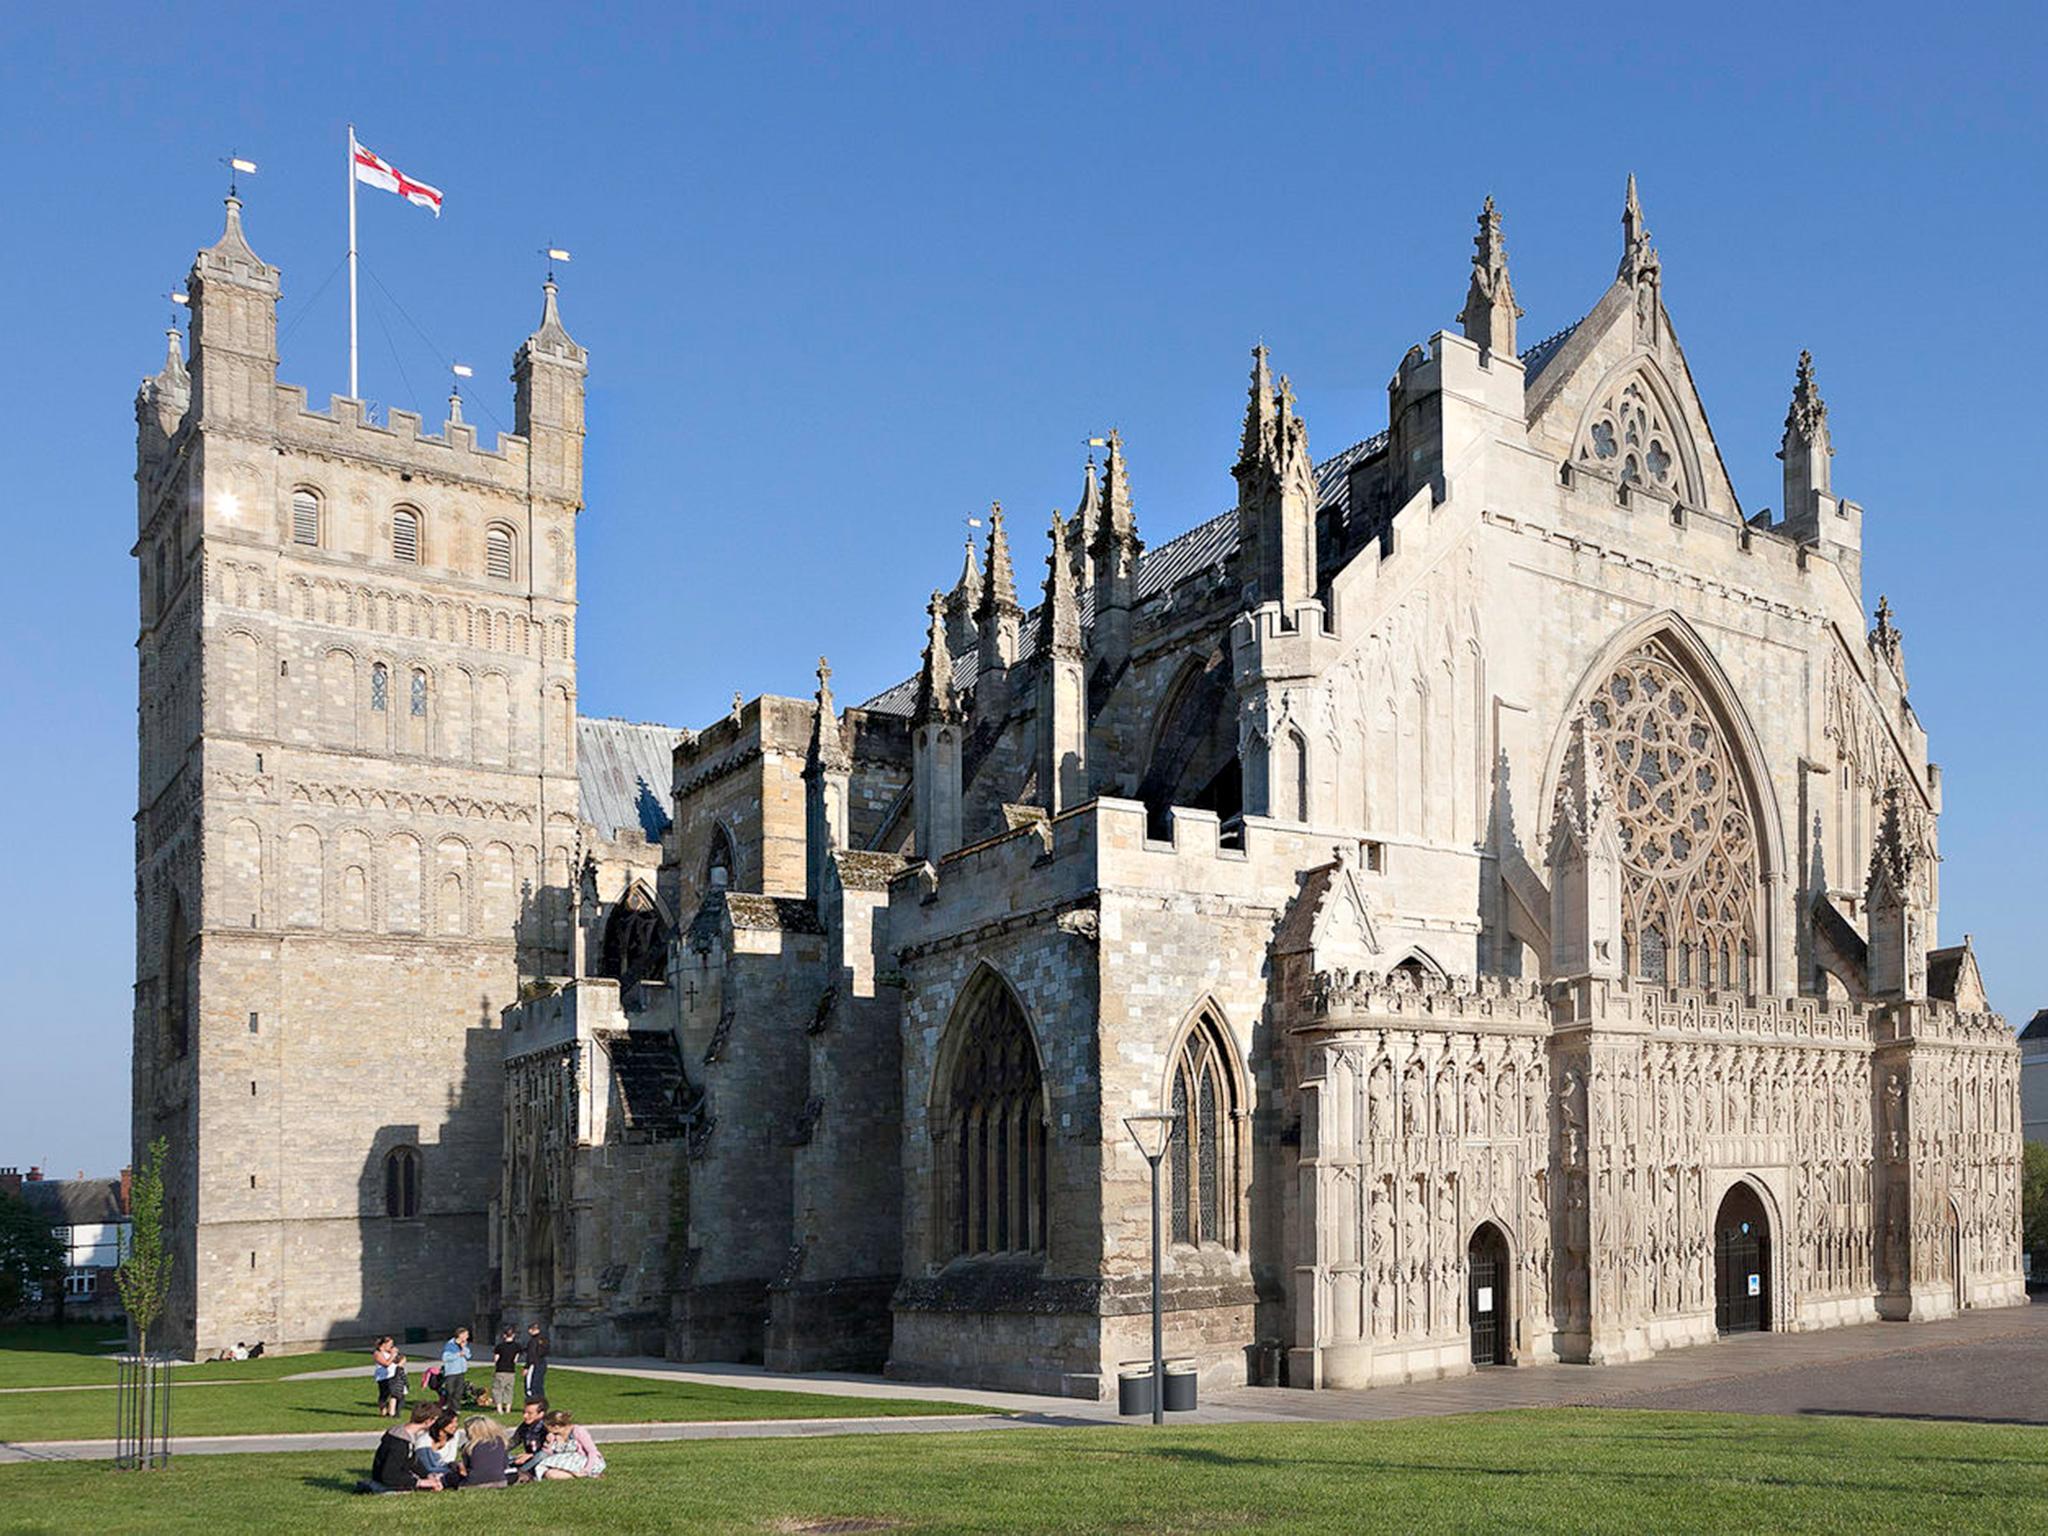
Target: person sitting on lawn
392 1470
434 1454
455 1368
484 1459
570 1450
505 1370
530 1435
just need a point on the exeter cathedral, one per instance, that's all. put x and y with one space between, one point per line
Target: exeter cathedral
1511 863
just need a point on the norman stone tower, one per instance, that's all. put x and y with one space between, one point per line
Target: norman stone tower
357 814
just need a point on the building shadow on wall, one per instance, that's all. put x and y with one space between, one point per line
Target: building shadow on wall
425 1198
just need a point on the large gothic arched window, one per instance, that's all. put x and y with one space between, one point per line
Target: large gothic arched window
993 1116
1202 1158
1689 855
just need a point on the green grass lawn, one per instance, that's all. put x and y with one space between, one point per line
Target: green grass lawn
1555 1470
312 1407
256 1401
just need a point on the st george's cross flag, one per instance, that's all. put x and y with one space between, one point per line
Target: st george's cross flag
382 174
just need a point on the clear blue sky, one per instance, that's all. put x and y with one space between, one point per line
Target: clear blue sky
847 273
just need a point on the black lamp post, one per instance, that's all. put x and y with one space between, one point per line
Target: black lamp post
1152 1133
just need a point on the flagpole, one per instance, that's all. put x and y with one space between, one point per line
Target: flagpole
352 263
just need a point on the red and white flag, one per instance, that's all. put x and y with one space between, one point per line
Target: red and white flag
382 174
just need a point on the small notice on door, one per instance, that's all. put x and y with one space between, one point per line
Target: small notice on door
1756 1285
1486 1298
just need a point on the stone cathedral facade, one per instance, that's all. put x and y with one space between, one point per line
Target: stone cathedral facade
1511 863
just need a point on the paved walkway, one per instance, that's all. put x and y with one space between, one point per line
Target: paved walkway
1983 1366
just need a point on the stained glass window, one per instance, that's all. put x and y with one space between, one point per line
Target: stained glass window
380 687
997 1115
419 694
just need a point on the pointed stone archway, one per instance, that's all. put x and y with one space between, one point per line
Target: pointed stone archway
1489 1289
1742 1262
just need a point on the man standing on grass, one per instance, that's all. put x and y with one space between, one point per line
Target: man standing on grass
505 1369
536 1361
455 1369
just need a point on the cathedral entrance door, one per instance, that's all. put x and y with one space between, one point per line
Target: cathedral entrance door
1742 1263
1487 1295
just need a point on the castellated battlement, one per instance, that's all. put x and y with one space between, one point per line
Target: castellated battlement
344 431
1049 864
563 1016
1410 999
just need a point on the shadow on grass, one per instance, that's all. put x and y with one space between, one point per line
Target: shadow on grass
1920 1418
332 1483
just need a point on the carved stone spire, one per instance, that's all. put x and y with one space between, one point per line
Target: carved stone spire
1805 450
1490 310
160 403
1585 799
1259 414
1059 617
1062 687
1887 641
828 748
963 606
935 700
1638 256
1113 553
935 746
1585 864
827 769
1894 904
1120 522
1000 591
1276 497
998 620
1082 527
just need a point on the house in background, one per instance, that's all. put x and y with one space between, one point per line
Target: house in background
90 1217
2034 1078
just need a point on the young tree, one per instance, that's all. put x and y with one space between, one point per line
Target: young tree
144 1277
30 1254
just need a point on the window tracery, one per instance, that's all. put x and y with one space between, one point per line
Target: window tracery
1689 851
1630 437
1202 1160
995 1116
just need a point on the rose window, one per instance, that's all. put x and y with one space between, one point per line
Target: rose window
1688 842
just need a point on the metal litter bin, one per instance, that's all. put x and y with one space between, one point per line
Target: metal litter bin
1134 1392
1180 1386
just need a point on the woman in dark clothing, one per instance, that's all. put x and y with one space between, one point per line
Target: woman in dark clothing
484 1461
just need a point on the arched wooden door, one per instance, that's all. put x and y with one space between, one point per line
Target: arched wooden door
1742 1263
1488 1282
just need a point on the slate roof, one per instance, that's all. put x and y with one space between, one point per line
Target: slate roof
625 770
75 1202
1203 547
1538 357
2037 1027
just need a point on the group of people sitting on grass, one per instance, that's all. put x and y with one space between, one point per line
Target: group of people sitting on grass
433 1452
511 1359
